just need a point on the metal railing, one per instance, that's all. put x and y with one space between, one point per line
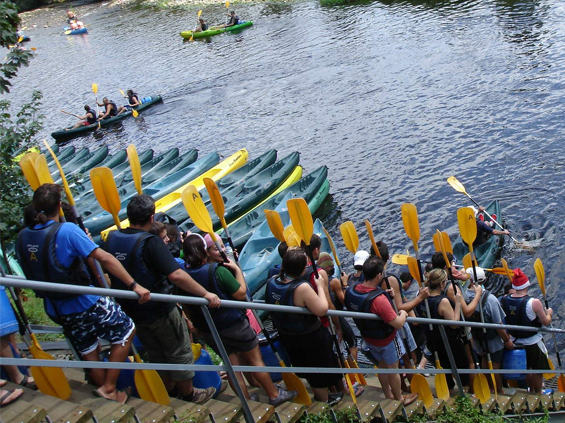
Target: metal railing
19 282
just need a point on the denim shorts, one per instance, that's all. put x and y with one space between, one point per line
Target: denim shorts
390 353
105 319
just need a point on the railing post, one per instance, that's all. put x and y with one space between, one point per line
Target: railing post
451 360
224 354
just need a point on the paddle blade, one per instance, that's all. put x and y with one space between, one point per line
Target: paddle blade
68 192
197 210
150 387
499 271
548 376
199 14
561 383
135 167
409 214
275 224
291 237
446 242
439 239
122 93
540 274
49 380
227 4
401 259
508 272
135 113
27 163
420 386
372 238
349 235
95 88
42 169
332 247
216 199
457 186
106 192
442 391
468 261
467 225
481 388
301 218
293 383
414 269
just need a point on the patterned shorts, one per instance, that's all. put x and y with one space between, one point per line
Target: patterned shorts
105 319
390 353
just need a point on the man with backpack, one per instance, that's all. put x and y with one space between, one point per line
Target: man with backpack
493 341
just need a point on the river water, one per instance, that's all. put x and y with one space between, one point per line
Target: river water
394 97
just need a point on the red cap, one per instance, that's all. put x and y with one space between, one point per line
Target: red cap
520 280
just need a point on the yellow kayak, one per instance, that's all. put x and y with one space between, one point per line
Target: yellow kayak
235 161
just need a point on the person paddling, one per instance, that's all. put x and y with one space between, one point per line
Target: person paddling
88 119
110 108
201 25
133 101
234 20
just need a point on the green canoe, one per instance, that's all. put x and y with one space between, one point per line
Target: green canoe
214 31
488 252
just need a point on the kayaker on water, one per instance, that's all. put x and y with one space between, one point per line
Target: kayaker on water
200 25
110 108
133 100
484 230
234 20
88 119
73 21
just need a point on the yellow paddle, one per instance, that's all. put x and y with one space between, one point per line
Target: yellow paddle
95 91
135 167
468 231
301 219
134 112
291 237
72 114
439 237
440 380
358 376
418 383
148 382
540 274
275 224
27 163
201 218
349 235
198 17
509 273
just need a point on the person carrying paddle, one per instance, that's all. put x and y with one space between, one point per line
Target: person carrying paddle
110 109
381 342
133 101
357 276
306 341
494 340
234 20
523 310
484 231
237 335
52 251
160 325
201 25
88 119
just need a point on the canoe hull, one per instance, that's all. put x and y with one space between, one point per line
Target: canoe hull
210 32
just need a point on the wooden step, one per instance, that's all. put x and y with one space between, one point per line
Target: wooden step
317 407
414 409
503 403
439 406
189 412
223 412
519 402
144 410
559 400
488 406
390 409
105 411
367 409
546 402
59 411
261 412
290 412
22 411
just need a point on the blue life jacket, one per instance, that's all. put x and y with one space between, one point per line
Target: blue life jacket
283 293
515 309
361 302
36 252
223 317
128 249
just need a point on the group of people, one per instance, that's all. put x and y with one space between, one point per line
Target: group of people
138 259
201 25
110 110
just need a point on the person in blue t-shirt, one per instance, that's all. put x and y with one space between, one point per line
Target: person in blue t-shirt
54 252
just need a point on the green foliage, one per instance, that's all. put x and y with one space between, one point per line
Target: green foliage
342 416
17 56
16 135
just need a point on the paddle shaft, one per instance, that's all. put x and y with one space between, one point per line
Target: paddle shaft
72 114
552 334
491 218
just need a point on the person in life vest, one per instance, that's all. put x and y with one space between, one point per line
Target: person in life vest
523 310
306 341
160 325
88 119
238 338
381 341
52 251
485 230
492 341
357 276
110 109
133 101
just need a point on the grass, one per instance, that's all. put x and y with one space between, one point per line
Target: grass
36 315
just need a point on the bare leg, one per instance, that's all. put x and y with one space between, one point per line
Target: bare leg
392 381
96 376
320 394
253 358
536 383
235 360
13 372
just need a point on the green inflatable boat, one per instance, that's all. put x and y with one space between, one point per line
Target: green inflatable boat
214 31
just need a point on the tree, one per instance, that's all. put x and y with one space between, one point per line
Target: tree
16 133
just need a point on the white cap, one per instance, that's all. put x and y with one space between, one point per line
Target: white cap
480 273
360 257
475 210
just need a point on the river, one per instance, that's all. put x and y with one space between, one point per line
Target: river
393 96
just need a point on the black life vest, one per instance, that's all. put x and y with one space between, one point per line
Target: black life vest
309 276
91 117
223 317
515 309
36 252
452 333
283 294
128 249
114 110
478 333
361 302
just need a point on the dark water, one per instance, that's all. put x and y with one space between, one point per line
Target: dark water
393 96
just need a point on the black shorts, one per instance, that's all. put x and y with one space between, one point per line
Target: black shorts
237 338
536 358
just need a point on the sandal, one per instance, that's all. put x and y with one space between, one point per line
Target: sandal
409 399
3 382
26 383
97 393
5 399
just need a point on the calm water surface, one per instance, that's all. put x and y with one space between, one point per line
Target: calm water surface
393 97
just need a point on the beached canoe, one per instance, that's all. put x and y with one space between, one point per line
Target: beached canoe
308 187
488 252
214 31
163 204
68 163
83 165
69 133
65 152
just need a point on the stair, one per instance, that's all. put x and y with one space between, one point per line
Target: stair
261 412
22 412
